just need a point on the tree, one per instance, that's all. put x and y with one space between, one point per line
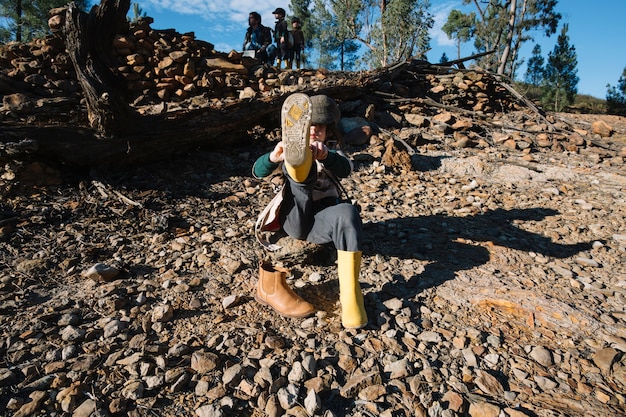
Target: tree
390 30
460 27
346 12
444 58
24 20
534 71
561 80
400 33
300 9
138 13
616 97
503 26
331 36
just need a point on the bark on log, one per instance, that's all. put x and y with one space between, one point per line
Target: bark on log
89 42
156 137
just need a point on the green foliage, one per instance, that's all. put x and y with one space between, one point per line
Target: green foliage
582 103
24 20
400 33
616 96
331 39
138 13
444 58
561 80
535 72
460 27
494 30
390 30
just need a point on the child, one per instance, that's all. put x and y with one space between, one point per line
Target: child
311 162
281 37
298 43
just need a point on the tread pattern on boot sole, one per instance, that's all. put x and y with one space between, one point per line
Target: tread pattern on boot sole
295 123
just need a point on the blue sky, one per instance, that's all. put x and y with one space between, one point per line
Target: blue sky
596 30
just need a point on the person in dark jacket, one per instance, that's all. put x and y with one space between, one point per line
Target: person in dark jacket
258 37
312 163
298 43
280 51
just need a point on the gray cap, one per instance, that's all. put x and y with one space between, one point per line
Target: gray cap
324 110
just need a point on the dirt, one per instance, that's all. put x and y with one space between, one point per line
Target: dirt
476 262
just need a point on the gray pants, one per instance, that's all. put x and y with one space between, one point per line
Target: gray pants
317 222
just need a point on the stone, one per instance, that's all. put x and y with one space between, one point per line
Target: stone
101 273
542 356
604 359
483 409
204 362
601 128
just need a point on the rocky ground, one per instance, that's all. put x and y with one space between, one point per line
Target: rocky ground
494 282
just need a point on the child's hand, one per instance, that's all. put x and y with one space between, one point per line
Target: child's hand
319 150
277 154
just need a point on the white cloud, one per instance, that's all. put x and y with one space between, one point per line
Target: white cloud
440 14
217 11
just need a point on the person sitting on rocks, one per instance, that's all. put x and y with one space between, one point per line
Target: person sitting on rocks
312 163
258 37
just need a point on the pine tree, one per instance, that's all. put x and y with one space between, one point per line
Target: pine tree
335 48
400 33
444 58
503 26
616 97
535 71
561 80
460 27
24 20
138 13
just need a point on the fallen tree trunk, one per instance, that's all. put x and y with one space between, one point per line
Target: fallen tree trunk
116 133
155 137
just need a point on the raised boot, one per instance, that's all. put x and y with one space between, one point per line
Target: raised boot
353 315
296 124
272 290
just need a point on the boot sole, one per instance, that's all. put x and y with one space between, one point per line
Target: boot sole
291 316
295 124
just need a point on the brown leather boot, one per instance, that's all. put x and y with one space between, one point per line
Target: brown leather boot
273 291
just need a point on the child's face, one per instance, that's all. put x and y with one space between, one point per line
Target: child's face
318 132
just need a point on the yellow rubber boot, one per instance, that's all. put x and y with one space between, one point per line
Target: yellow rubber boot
295 123
301 172
353 315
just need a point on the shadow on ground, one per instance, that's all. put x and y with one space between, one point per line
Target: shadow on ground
444 241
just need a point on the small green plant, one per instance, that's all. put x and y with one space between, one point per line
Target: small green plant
138 13
616 96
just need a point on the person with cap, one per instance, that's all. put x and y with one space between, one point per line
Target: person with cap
280 51
298 43
312 163
258 37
